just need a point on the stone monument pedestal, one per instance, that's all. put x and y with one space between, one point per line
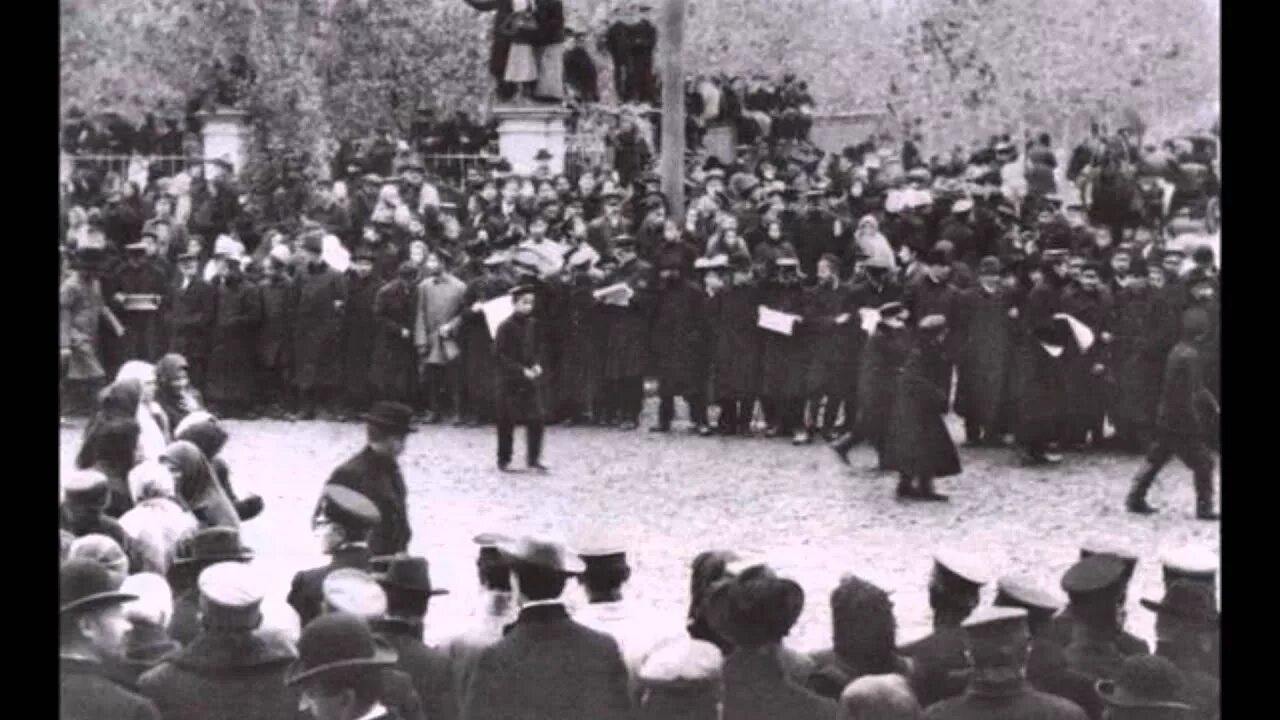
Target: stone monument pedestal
523 130
225 135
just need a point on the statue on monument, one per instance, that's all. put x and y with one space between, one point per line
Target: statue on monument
526 52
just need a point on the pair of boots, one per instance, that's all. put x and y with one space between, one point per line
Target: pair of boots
921 489
1136 501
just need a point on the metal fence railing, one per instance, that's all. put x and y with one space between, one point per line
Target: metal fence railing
455 166
137 168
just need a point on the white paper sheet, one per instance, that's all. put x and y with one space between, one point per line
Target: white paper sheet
1083 334
775 321
495 311
616 294
869 318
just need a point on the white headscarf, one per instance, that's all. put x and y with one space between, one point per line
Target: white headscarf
155 598
152 436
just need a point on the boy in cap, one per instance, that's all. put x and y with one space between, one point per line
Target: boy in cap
322 298
407 584
1185 410
997 642
346 521
230 669
91 631
547 665
374 472
939 665
340 670
519 352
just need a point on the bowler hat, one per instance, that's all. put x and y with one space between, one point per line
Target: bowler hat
392 416
210 545
1188 602
543 154
336 642
545 554
755 607
86 585
408 573
1144 681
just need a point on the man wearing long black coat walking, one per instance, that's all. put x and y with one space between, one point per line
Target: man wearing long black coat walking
919 446
238 312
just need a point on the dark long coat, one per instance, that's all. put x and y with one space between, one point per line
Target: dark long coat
225 676
986 357
626 350
735 355
882 361
784 363
834 346
756 687
499 45
191 313
236 319
678 340
317 333
1041 403
476 343
548 666
578 372
1086 392
1006 704
378 478
306 593
87 693
918 442
279 298
359 333
926 297
519 345
394 365
429 668
143 330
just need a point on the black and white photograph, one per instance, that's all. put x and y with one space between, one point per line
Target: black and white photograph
639 359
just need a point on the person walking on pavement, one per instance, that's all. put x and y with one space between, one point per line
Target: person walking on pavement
518 348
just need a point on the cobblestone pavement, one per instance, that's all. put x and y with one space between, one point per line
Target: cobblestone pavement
671 496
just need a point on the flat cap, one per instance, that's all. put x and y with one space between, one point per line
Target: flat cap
491 539
1021 592
681 662
996 623
1105 546
1093 574
545 554
354 591
349 508
963 205
1190 562
963 565
230 585
83 482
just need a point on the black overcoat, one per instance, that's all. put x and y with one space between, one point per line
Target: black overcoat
578 373
678 340
520 345
882 361
430 669
392 370
735 357
143 330
378 478
918 442
784 363
1022 701
279 298
548 666
985 359
306 592
476 343
191 313
834 346
221 676
626 351
236 320
322 295
1087 392
359 333
87 693
756 687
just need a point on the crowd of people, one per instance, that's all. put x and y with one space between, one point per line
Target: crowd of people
856 297
163 614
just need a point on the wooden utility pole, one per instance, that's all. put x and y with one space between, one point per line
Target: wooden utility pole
671 165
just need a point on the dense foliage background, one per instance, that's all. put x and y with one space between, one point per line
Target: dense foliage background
337 68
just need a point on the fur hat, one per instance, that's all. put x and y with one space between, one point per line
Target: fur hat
755 608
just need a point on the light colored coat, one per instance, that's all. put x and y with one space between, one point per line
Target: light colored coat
439 302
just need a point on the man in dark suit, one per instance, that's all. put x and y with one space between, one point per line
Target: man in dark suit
340 670
375 474
347 519
1182 415
997 641
1187 635
1094 588
940 669
91 631
547 665
407 584
1126 642
191 308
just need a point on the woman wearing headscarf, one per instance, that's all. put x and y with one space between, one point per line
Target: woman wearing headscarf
198 487
870 243
174 391
206 433
118 401
158 519
112 449
153 424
